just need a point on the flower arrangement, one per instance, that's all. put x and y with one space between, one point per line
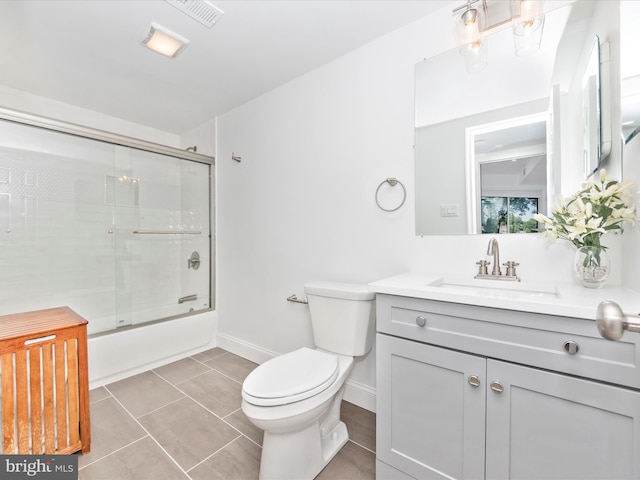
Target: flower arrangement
591 212
587 215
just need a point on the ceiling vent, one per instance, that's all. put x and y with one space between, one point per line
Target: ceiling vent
200 10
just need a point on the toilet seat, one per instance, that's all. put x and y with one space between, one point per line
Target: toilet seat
290 378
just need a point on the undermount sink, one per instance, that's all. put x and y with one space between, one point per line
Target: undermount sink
497 288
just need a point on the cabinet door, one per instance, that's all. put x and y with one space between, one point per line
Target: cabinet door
430 418
545 425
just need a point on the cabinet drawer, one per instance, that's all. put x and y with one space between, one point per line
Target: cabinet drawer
562 344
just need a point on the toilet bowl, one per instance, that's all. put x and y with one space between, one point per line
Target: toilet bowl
295 398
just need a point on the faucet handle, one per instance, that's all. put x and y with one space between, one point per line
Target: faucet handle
511 268
482 269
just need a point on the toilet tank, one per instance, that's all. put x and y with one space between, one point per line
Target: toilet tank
342 317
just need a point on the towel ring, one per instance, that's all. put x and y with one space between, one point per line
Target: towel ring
392 182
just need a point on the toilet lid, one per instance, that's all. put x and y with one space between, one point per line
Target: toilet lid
290 378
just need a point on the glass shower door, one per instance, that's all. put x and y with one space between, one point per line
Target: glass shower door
162 251
56 231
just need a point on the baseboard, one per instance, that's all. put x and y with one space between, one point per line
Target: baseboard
356 393
244 349
360 395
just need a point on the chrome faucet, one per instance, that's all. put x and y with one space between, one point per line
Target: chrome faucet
496 273
494 250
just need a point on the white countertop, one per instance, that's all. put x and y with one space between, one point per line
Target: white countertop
563 299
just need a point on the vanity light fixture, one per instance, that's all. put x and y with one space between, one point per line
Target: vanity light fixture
468 30
475 19
469 27
163 41
527 21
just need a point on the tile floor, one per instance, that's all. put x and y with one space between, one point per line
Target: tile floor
183 421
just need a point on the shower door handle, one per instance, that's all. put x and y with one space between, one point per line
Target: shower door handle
193 261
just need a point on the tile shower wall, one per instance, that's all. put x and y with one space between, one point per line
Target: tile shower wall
68 210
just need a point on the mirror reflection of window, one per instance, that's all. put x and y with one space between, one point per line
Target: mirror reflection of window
510 159
509 214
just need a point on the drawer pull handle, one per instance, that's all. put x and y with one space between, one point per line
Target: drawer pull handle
571 347
421 321
496 386
474 381
39 339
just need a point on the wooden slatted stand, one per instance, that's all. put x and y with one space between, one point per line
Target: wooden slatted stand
45 382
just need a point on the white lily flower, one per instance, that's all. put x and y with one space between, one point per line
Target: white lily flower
583 217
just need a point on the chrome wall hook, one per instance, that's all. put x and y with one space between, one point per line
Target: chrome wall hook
235 157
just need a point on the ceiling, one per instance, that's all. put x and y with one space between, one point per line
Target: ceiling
87 52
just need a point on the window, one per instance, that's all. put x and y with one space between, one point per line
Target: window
509 214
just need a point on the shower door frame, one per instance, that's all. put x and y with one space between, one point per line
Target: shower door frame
60 126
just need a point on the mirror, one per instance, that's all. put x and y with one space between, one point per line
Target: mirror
507 172
629 71
594 149
512 140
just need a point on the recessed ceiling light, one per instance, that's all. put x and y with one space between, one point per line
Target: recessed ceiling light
163 41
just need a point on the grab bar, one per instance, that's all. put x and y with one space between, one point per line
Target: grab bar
188 298
293 298
166 232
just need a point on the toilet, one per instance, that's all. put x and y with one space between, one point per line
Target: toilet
295 398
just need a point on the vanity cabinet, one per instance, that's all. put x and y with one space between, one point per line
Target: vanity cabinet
476 392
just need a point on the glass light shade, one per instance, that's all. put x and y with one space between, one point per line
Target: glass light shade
527 36
469 27
163 41
526 9
527 22
475 56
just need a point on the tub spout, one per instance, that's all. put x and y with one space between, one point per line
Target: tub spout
188 298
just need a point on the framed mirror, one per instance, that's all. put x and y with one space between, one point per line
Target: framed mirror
595 147
527 108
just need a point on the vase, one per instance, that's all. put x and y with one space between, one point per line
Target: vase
592 266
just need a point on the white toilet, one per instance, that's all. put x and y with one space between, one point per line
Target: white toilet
295 398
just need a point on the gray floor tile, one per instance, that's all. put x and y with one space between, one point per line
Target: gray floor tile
111 428
187 431
209 354
240 422
238 461
191 436
98 394
144 393
181 370
232 365
144 460
361 425
351 463
215 391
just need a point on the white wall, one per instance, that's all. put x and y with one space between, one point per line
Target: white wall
50 108
300 206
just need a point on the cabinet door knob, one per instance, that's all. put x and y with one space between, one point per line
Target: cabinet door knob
474 381
496 386
571 347
421 321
